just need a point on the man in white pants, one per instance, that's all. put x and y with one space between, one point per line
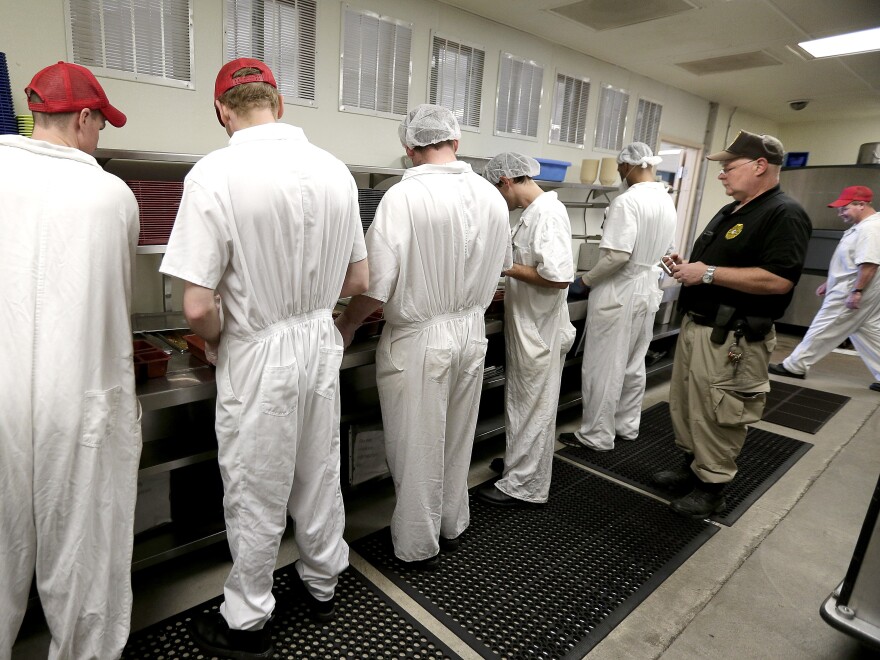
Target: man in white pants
271 224
537 330
624 297
852 302
438 243
70 436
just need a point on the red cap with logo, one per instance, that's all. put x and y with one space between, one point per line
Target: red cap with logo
852 194
66 87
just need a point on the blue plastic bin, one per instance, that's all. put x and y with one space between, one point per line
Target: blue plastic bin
552 170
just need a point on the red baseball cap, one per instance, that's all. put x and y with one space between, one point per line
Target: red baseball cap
225 81
66 87
852 194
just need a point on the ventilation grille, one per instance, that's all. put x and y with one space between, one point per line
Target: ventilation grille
727 63
609 14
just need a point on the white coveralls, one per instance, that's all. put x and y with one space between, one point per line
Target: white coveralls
271 222
537 335
70 436
620 315
834 322
438 244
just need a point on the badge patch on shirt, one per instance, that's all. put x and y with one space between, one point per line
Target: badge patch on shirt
734 231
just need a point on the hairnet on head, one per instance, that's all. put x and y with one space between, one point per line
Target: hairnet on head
428 124
640 154
511 165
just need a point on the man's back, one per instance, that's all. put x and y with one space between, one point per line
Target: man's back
278 216
438 243
69 231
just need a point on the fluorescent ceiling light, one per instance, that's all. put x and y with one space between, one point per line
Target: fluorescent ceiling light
844 44
669 152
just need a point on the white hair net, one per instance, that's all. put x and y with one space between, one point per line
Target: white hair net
639 153
428 124
511 165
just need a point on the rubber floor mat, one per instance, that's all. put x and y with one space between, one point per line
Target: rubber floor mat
765 457
800 408
548 582
367 625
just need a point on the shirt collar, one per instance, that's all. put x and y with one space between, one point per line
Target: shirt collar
455 167
43 148
275 130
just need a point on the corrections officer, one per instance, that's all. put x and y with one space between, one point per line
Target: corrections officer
739 279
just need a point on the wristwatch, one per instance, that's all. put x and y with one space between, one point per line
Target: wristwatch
856 290
709 275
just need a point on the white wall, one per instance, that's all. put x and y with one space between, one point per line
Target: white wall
33 35
179 120
830 143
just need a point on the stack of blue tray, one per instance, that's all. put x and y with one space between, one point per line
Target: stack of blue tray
8 124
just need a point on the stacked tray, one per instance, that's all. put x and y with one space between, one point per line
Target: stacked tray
158 202
25 125
8 124
368 200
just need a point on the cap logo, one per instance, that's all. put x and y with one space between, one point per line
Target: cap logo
734 231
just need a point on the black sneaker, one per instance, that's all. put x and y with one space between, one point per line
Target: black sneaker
497 465
322 611
429 564
874 386
780 370
211 633
680 479
449 545
701 502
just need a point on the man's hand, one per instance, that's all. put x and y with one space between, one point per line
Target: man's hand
211 351
578 288
822 290
346 330
853 300
688 274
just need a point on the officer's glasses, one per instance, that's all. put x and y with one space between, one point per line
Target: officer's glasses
727 170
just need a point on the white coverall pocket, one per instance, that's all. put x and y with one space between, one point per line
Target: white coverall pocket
737 408
475 357
566 337
328 371
437 363
99 415
278 390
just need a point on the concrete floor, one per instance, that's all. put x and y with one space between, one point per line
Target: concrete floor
752 591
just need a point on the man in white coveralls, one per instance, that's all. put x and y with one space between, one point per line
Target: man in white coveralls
271 223
537 330
438 243
70 436
624 297
851 307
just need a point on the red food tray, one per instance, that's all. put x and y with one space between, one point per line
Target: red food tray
149 362
196 347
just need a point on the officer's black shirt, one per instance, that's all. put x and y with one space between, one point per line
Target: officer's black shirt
770 232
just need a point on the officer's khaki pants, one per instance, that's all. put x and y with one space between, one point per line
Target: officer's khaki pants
712 403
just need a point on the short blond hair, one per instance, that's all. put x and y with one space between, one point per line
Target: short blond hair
241 99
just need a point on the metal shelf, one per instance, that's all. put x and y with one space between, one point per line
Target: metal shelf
151 249
173 540
104 155
171 453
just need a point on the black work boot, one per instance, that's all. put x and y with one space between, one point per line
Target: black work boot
680 479
322 611
212 634
704 500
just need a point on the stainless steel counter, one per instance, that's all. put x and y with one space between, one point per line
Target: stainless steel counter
189 379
